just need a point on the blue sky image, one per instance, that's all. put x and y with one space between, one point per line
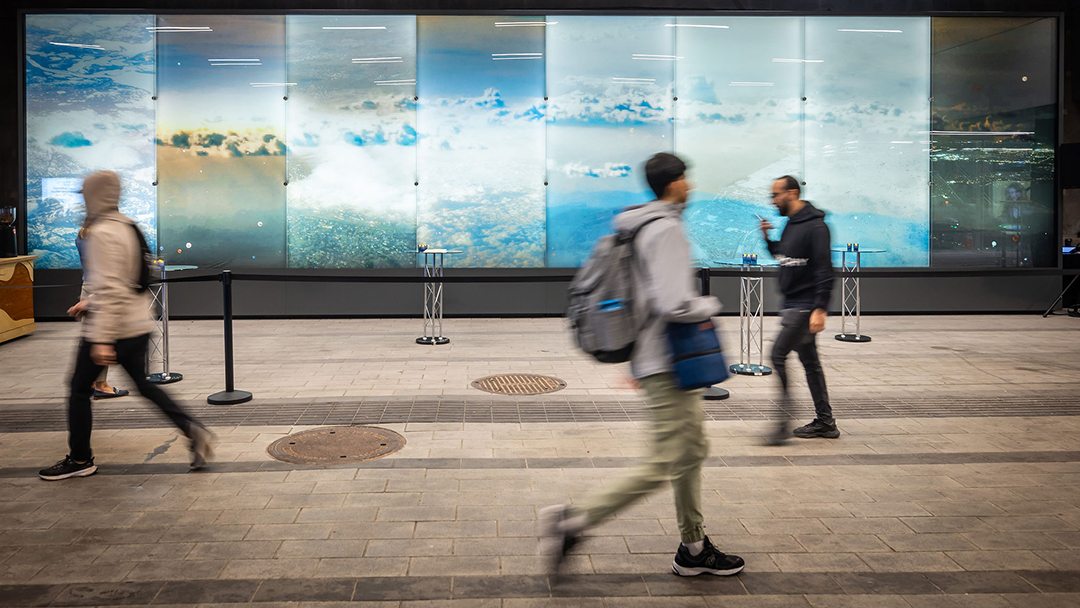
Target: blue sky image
89 83
352 140
609 85
481 148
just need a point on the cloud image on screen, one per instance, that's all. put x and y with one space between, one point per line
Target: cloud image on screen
867 133
220 140
352 141
89 83
738 122
609 85
480 156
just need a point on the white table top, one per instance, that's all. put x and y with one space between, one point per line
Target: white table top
430 250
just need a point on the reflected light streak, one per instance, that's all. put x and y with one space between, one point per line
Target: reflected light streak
713 27
645 57
354 27
79 46
524 23
873 31
779 60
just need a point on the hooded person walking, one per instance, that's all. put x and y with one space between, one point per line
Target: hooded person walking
116 327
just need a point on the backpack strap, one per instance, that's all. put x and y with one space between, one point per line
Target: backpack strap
630 237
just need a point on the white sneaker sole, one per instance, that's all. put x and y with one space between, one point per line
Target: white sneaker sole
684 571
80 473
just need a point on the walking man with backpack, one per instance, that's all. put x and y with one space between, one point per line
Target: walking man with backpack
806 281
116 326
663 288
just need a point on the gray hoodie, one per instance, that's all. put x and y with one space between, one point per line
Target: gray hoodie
666 280
113 258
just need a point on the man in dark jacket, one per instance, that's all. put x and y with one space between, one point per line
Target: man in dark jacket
806 280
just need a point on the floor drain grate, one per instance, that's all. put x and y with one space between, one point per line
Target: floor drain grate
333 445
519 384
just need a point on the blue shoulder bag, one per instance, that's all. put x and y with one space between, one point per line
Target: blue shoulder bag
695 348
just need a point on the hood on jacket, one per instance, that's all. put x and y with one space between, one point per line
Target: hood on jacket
101 192
807 213
635 215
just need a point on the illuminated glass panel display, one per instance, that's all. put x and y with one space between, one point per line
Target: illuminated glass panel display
351 141
221 140
89 107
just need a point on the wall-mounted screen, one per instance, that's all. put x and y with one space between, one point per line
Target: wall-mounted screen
345 141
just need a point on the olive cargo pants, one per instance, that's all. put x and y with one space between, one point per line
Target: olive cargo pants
678 449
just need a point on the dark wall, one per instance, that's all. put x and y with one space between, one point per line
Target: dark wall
988 294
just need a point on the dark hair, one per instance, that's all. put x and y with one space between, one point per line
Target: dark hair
790 183
663 169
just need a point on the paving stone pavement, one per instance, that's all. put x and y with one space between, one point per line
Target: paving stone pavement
926 500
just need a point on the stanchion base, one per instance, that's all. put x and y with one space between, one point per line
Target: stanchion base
751 369
229 398
432 341
853 338
168 378
714 394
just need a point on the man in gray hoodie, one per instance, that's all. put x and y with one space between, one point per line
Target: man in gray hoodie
116 327
667 282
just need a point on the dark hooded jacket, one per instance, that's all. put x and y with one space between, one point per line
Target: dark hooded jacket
806 275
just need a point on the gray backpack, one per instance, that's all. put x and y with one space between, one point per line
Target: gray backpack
604 312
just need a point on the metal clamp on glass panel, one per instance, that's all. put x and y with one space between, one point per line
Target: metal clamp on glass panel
433 296
851 298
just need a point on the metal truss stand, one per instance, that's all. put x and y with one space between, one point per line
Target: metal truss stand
751 315
433 298
158 349
851 305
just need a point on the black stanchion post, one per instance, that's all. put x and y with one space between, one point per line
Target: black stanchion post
712 393
229 396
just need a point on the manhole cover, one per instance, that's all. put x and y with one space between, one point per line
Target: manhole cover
519 384
336 445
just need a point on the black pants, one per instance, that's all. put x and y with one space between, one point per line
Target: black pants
795 336
131 354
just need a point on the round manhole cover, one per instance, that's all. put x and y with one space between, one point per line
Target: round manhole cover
336 445
519 384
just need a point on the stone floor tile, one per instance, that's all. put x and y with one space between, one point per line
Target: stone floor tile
454 566
910 561
289 531
176 570
345 567
999 560
819 562
982 600
841 543
269 568
857 601
426 547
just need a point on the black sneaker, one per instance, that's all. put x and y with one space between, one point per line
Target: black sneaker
710 561
816 429
68 468
559 539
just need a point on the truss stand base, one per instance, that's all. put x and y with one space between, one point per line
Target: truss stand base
751 369
432 341
167 378
229 398
853 337
714 394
